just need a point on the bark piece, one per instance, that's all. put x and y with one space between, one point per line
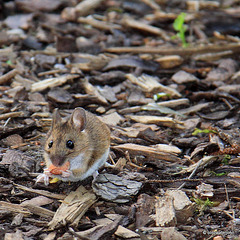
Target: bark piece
88 62
40 211
207 57
102 25
226 68
171 233
59 95
38 5
41 192
204 191
165 212
19 163
8 76
145 206
12 236
114 188
150 152
183 77
131 62
19 21
171 61
90 89
107 92
73 208
161 121
168 148
81 9
52 82
14 208
112 119
233 89
37 201
194 109
121 231
184 208
13 140
151 85
129 22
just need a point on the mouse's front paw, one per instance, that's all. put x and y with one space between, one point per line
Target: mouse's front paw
43 177
67 174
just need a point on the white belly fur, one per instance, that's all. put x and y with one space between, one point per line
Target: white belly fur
77 162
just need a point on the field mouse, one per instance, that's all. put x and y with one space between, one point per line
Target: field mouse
75 147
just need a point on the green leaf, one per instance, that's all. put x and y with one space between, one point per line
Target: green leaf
9 62
179 21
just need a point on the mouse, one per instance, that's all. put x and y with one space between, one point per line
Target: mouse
75 147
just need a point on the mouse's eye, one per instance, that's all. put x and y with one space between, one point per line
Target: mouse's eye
70 144
50 144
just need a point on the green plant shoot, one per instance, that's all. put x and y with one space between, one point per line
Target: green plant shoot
180 28
197 131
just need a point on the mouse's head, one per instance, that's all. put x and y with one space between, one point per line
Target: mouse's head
67 138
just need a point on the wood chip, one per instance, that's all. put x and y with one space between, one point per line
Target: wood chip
73 208
8 76
160 121
145 206
171 233
167 148
81 9
165 213
151 84
16 235
88 62
40 211
41 192
170 61
150 152
14 208
102 231
182 77
129 22
90 89
112 119
121 231
11 115
194 109
184 52
52 82
184 208
102 25
37 201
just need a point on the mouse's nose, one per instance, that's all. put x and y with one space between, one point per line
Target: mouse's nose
57 160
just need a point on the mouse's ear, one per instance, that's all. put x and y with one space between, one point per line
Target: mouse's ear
56 117
78 118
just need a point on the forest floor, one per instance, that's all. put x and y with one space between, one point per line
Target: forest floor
164 76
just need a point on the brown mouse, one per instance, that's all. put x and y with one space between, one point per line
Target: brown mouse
75 147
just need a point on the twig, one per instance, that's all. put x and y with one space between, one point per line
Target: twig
8 76
193 172
174 180
185 52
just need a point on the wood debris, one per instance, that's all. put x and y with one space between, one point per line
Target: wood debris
73 208
151 152
151 85
163 76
